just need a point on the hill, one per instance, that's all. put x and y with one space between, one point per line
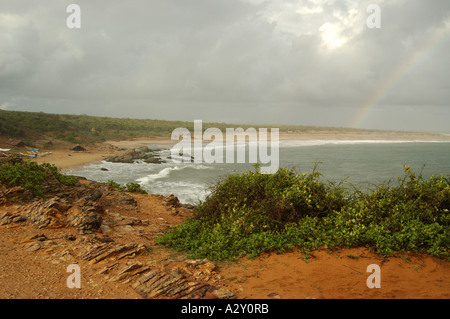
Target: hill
66 129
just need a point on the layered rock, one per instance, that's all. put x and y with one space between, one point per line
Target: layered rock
85 224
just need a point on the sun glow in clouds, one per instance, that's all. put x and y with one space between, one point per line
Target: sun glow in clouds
331 35
345 26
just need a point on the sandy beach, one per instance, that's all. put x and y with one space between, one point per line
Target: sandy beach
64 158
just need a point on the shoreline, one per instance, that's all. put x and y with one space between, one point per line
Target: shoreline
309 136
66 158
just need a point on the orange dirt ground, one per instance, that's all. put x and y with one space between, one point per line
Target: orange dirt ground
331 274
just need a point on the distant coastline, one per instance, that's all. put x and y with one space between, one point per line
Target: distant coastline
65 158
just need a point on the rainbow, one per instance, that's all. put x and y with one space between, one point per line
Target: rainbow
394 77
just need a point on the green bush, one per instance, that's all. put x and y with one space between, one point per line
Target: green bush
251 213
414 216
272 200
135 188
31 175
114 185
129 187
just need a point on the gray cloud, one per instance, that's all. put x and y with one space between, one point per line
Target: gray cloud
297 62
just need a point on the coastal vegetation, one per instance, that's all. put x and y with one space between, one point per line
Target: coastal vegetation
77 129
128 187
252 213
31 176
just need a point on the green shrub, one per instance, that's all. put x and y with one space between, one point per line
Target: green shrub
251 213
114 185
135 188
31 175
272 200
413 215
129 187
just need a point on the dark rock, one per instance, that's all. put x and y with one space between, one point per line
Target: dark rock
126 199
8 218
104 239
32 246
93 194
188 206
110 250
187 280
69 237
78 148
153 160
128 157
40 237
172 201
131 156
18 219
16 194
85 219
43 214
70 211
51 186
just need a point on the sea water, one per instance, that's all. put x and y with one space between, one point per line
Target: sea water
364 163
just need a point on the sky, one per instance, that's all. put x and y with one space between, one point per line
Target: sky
232 61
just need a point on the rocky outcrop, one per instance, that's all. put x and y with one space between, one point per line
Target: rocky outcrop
10 218
130 156
93 224
134 264
78 148
112 251
172 201
156 284
15 195
187 279
83 214
62 206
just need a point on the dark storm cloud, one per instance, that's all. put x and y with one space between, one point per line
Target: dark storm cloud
297 62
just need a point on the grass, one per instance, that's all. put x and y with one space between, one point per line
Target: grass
252 213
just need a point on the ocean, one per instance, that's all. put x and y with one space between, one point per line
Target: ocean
360 162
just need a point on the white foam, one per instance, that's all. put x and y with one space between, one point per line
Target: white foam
161 174
200 166
298 143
